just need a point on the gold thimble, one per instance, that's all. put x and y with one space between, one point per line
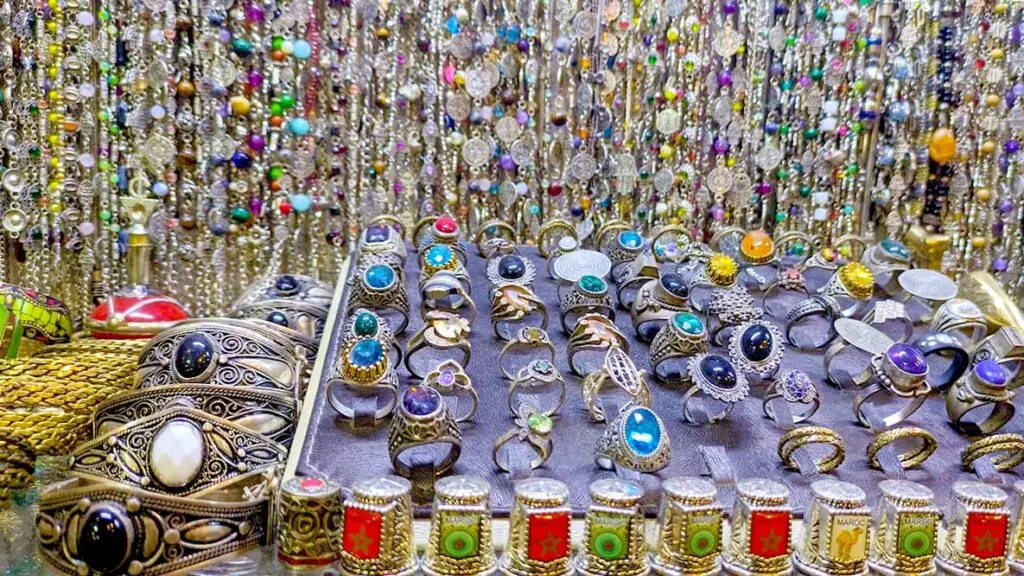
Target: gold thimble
376 537
904 530
688 540
759 541
460 529
836 531
613 533
308 522
976 530
1016 553
538 536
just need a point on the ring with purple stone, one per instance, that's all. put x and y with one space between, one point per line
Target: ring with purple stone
656 302
514 307
538 374
756 347
900 372
381 238
390 221
984 387
446 292
794 387
946 346
381 288
682 337
529 339
450 379
587 295
635 440
1005 346
443 335
715 377
494 229
640 271
365 323
421 424
532 427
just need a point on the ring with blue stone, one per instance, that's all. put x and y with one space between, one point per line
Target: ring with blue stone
364 361
440 258
683 336
900 372
635 440
389 259
756 348
380 238
657 301
793 387
365 323
626 246
304 317
1005 346
422 422
494 229
447 292
886 261
983 388
287 287
511 269
714 376
380 288
587 295
607 235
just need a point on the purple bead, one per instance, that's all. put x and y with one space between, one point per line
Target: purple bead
256 142
1006 206
562 44
721 146
1018 89
1010 98
255 79
523 45
990 372
253 13
522 117
224 35
997 228
764 188
1011 146
717 213
507 163
907 358
421 401
730 7
775 69
1000 264
255 206
724 78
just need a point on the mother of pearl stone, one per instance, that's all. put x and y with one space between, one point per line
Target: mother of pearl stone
176 456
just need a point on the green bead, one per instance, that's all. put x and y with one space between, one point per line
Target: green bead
652 59
781 174
33 109
115 228
114 129
821 12
240 214
787 85
857 127
861 43
241 46
811 133
35 151
104 166
105 66
276 109
805 191
113 80
784 129
287 101
859 86
780 216
104 115
114 179
790 40
104 15
277 42
817 74
852 169
105 215
275 173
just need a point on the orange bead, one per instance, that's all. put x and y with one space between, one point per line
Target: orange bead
757 246
276 121
277 55
942 145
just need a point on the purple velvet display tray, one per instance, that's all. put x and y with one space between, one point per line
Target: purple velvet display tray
334 449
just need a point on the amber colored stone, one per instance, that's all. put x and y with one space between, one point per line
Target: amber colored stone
757 246
942 145
186 89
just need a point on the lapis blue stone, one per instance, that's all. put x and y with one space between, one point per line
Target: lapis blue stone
757 342
990 372
511 267
366 353
376 233
103 541
193 356
421 401
286 284
439 255
631 239
719 371
674 284
380 276
642 431
278 317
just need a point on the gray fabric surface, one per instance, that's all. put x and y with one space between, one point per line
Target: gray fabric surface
747 438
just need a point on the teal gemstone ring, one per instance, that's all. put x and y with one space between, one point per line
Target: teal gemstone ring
683 336
587 295
380 288
635 440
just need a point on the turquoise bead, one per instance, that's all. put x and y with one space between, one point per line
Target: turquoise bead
298 126
300 202
688 323
630 239
439 255
301 49
592 284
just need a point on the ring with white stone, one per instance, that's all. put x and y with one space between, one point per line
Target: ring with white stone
961 318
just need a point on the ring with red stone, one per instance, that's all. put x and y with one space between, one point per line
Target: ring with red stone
790 280
444 230
423 424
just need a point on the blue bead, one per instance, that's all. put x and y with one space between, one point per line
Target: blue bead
380 276
160 189
286 285
300 202
439 255
298 126
674 284
643 431
193 356
453 25
757 343
241 160
630 239
278 317
366 353
718 371
301 49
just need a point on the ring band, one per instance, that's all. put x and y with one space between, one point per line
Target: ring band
514 307
890 311
445 333
532 427
537 374
593 335
445 292
681 337
911 458
619 369
1009 449
528 339
797 438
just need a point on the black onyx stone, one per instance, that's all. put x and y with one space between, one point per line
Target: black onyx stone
103 542
286 284
718 371
194 354
511 267
757 343
278 317
674 284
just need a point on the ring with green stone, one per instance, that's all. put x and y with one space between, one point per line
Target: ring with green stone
532 427
685 335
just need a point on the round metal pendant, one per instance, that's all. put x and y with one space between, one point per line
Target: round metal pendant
14 181
574 265
861 335
928 284
14 220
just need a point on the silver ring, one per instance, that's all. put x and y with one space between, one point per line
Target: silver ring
794 387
